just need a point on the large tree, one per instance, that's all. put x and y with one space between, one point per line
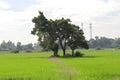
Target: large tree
70 35
46 32
63 32
58 32
77 39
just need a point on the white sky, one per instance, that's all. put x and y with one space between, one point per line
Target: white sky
16 17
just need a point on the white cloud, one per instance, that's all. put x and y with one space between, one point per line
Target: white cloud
4 5
78 10
16 26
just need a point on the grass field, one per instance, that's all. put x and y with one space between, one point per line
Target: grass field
95 65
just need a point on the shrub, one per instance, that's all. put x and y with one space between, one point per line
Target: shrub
45 50
28 51
15 51
98 48
118 48
78 54
68 55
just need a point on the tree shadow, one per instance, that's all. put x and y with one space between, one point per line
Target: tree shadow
67 57
64 57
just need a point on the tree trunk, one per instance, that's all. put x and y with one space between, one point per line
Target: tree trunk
64 54
63 47
55 50
55 53
72 52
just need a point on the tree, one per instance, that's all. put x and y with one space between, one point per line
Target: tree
37 45
118 42
1 48
10 45
70 34
28 46
102 42
46 32
51 33
4 45
19 46
63 32
77 39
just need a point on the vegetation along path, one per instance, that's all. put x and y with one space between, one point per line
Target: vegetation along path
65 69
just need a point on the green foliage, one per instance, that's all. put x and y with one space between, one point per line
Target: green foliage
15 51
63 32
7 45
19 46
78 54
27 47
118 48
104 42
46 32
60 31
98 48
28 51
68 55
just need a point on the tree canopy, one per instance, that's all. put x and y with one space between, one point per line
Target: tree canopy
52 33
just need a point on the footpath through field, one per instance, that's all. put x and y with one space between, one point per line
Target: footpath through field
65 69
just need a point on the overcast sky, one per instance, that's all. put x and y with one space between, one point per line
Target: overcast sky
16 16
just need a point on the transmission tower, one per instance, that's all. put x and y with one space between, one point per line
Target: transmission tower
82 26
90 31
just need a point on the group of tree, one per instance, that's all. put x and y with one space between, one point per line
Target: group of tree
7 46
52 33
104 42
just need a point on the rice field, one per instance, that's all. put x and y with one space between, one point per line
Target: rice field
95 65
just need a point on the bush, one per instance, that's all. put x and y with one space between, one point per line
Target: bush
118 48
45 50
98 48
28 51
78 54
68 55
15 51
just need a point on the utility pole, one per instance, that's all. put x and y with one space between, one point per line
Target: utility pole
82 26
90 31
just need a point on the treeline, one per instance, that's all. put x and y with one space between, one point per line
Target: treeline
8 46
98 42
104 42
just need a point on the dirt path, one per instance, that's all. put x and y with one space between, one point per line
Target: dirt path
65 69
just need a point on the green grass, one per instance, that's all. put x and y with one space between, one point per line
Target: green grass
27 67
95 65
